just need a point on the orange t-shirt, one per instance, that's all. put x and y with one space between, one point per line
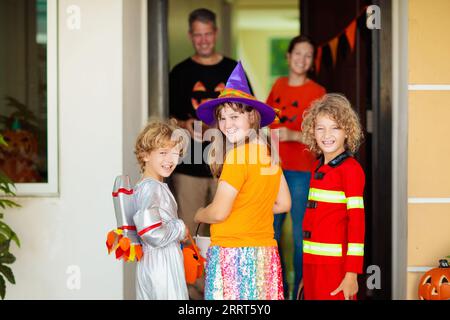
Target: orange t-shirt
292 101
249 170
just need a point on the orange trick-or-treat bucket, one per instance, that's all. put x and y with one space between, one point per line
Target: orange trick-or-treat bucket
193 262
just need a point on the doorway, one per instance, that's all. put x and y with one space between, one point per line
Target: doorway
356 61
361 70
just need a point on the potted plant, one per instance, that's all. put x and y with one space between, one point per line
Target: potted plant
6 233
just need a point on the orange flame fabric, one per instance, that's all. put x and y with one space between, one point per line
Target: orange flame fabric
122 246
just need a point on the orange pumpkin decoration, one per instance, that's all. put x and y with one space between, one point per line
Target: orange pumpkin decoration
21 143
193 262
434 284
18 160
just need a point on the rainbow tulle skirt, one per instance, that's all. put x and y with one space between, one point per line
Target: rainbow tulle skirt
243 273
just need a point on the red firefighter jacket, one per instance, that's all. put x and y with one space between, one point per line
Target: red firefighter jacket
333 226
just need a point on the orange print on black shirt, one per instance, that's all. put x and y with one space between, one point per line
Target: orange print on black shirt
202 93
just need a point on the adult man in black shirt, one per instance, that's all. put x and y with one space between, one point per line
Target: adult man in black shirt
191 82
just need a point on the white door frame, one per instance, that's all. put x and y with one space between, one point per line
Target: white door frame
399 148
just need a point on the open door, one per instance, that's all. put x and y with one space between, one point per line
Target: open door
356 61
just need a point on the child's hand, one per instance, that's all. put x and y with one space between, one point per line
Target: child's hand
348 286
186 237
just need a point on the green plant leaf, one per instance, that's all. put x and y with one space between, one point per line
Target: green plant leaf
4 244
7 258
2 141
8 203
6 189
6 230
4 247
6 184
2 287
15 238
7 272
6 233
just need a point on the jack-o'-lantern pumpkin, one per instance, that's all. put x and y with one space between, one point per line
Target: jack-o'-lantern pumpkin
193 262
434 284
19 158
21 143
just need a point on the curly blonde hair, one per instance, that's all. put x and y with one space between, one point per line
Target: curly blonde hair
159 134
338 108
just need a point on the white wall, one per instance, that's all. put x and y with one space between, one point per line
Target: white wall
135 99
100 86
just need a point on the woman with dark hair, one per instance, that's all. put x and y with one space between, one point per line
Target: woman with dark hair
292 95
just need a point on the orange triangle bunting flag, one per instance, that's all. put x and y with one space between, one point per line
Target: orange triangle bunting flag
350 32
333 47
318 59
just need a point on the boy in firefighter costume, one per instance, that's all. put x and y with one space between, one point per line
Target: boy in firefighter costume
154 225
333 226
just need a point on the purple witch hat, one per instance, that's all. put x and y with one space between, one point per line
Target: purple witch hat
236 90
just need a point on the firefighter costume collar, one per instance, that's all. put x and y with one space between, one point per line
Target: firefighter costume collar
337 161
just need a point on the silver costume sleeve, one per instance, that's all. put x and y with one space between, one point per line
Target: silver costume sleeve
155 232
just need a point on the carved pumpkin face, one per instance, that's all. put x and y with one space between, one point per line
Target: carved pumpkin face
193 263
434 285
201 93
19 159
21 143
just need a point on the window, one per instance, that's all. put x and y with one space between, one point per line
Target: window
28 95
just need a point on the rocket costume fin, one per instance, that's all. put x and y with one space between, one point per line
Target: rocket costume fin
124 241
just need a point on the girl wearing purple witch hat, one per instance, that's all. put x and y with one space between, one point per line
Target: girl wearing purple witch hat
242 260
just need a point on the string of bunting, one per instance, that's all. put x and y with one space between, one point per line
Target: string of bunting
350 34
